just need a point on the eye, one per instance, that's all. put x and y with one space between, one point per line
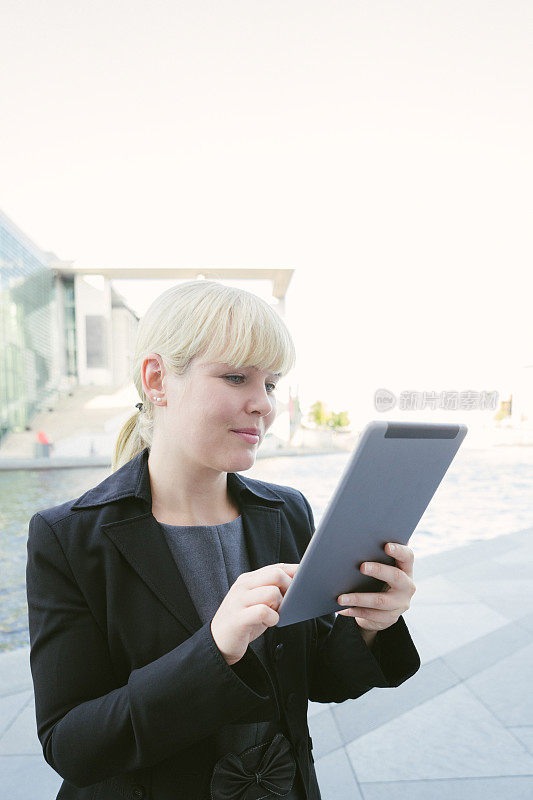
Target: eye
229 377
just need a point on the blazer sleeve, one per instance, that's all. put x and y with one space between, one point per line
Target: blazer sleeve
342 664
90 727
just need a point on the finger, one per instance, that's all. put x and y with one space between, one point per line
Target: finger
290 569
403 555
383 601
364 613
394 576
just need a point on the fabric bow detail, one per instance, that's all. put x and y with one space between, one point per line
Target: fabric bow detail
234 779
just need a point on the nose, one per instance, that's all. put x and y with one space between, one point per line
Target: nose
260 402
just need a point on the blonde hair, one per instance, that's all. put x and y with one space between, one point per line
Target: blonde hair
205 319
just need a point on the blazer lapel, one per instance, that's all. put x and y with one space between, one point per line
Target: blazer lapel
141 541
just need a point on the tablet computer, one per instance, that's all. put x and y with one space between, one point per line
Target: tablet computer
383 492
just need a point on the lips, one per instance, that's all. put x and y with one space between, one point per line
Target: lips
251 438
252 431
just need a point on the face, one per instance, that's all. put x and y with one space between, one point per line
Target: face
201 410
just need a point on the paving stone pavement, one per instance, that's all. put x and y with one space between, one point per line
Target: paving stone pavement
462 727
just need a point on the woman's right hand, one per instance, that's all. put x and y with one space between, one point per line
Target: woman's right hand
249 608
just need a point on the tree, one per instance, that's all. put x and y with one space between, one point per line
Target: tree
317 414
338 420
333 420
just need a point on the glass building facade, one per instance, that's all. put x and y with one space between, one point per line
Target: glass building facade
28 328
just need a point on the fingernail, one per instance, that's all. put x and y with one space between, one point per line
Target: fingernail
392 548
343 600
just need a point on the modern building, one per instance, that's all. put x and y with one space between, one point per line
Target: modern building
63 326
57 329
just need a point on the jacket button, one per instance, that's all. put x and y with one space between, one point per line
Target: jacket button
278 652
138 792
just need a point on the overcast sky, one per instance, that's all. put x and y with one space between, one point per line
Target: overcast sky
380 149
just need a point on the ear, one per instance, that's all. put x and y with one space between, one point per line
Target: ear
153 375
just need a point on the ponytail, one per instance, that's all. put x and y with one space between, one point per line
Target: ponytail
133 437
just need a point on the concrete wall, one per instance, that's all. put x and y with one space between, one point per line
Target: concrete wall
124 330
93 298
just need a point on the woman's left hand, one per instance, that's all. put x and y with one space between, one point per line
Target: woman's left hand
375 612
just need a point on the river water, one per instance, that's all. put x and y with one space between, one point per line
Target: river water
485 493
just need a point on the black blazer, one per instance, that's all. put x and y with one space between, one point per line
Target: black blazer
130 686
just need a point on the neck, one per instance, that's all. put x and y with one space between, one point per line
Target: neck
187 495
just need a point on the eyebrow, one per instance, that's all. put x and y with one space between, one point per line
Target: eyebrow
232 366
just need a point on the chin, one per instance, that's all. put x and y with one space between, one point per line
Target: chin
239 462
242 467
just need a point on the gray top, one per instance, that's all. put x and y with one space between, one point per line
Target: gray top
210 559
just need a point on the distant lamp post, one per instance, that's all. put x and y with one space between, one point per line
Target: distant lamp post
295 414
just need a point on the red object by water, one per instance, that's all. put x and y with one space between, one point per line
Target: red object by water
42 438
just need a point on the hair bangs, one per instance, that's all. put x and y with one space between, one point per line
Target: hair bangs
249 335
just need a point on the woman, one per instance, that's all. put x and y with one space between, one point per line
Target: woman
157 665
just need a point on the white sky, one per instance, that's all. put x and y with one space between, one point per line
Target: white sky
381 149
